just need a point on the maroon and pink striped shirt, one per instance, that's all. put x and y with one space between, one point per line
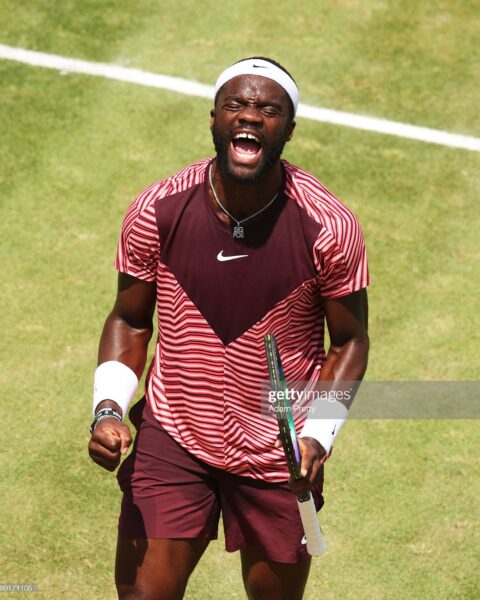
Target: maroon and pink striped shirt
204 383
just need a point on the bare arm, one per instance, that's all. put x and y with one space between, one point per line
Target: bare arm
347 322
125 337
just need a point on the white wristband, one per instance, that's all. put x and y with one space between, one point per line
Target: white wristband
325 430
114 381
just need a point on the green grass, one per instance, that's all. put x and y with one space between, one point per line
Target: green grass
401 517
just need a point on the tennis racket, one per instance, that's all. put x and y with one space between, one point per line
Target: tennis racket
306 506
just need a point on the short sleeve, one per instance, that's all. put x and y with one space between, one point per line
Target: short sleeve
138 249
341 257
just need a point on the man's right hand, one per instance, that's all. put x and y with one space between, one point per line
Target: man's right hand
110 440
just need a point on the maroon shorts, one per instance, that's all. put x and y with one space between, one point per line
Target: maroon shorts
168 493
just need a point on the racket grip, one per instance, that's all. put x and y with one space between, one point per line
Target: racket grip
308 513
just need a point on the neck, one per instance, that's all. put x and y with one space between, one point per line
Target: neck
242 200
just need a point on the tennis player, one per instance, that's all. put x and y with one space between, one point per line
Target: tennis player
227 250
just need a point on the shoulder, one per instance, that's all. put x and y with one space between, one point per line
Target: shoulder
187 177
318 202
142 208
139 245
339 250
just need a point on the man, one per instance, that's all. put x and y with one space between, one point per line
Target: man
227 250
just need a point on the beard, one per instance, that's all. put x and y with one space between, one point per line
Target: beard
271 154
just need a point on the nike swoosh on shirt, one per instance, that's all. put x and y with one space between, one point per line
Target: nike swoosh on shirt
222 258
304 539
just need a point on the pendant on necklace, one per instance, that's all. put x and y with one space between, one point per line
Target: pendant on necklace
238 231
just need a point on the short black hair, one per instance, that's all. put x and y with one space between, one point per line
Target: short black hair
277 64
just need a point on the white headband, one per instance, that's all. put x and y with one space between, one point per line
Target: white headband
264 68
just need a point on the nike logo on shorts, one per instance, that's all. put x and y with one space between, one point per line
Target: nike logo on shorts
222 258
304 540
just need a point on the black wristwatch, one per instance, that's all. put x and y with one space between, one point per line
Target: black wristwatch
104 413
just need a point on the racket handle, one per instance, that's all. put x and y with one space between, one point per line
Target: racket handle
308 513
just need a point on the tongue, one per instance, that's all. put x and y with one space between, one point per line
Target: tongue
246 146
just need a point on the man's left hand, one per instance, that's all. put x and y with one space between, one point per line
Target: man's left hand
313 457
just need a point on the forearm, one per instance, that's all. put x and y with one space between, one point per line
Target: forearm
121 359
347 362
344 367
126 344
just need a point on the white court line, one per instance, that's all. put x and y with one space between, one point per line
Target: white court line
191 88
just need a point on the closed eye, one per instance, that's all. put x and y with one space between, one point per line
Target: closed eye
270 111
233 106
267 108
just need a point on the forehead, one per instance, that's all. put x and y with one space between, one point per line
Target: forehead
255 88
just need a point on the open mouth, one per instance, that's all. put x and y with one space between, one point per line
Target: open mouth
246 148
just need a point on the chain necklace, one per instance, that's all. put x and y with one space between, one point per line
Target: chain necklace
238 231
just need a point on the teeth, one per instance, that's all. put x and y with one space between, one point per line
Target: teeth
245 136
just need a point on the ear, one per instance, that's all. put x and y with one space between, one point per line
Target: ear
290 128
212 117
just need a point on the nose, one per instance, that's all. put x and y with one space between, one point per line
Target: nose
250 114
